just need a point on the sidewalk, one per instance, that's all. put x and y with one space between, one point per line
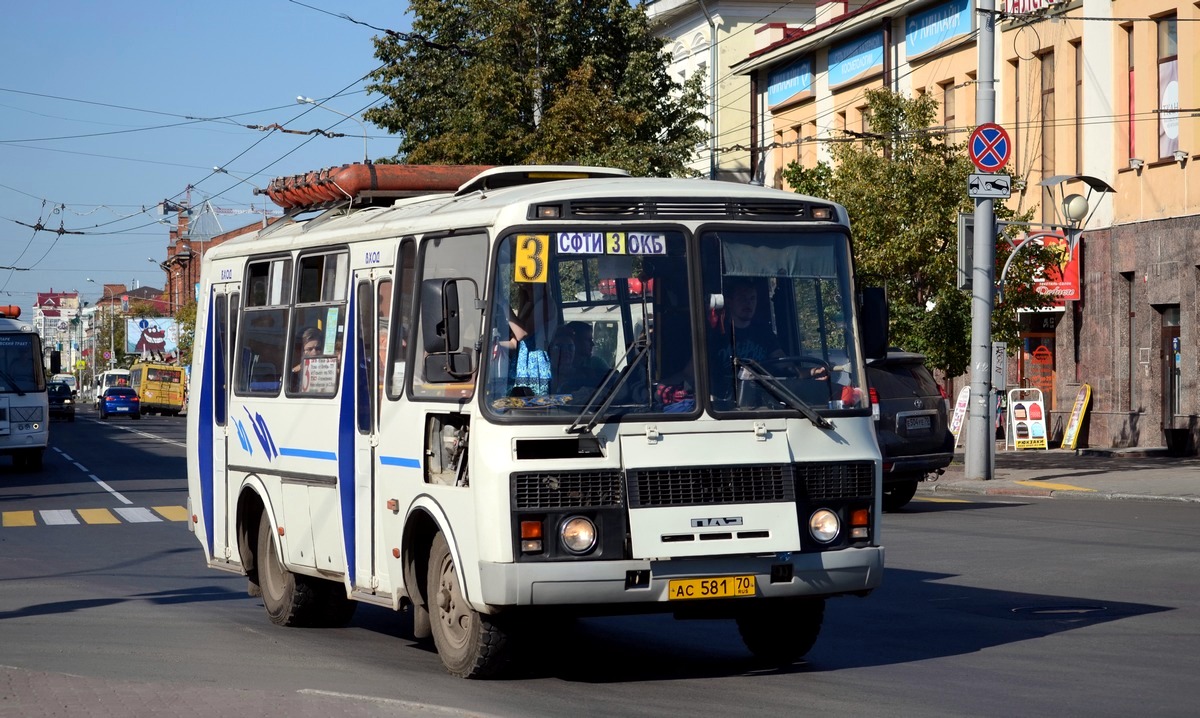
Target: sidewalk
1135 474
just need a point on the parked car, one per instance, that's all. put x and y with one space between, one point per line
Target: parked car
120 400
62 400
910 410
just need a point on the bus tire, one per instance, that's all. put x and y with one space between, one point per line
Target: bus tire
471 644
290 599
336 607
782 632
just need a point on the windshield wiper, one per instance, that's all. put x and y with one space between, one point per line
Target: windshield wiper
607 396
11 382
776 388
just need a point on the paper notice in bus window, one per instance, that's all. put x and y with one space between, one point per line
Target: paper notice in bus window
320 375
635 243
532 260
579 243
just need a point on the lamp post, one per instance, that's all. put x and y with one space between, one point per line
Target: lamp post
301 99
112 350
169 290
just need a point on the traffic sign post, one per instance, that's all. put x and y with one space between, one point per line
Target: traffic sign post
989 147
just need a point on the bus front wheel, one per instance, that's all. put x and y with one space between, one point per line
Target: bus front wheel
471 644
782 632
290 600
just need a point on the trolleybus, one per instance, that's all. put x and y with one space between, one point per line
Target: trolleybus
525 392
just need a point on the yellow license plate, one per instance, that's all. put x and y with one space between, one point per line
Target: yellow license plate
682 589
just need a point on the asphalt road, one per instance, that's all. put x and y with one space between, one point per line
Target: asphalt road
991 606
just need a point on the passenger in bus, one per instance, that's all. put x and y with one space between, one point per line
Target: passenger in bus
310 346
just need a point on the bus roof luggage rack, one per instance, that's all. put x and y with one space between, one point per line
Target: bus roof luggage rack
365 184
371 184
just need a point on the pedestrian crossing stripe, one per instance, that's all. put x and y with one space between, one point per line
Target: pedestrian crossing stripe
121 515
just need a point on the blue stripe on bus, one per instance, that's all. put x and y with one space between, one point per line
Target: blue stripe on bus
346 434
308 454
401 461
204 460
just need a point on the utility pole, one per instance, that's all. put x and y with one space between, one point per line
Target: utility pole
981 444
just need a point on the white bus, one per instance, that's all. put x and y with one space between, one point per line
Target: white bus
24 404
394 404
111 378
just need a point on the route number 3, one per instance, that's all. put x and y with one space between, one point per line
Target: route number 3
533 258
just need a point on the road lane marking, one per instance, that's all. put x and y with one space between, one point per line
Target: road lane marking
98 516
172 513
18 518
109 489
58 517
137 515
1053 487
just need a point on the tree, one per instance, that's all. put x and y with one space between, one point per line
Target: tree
185 320
536 81
903 185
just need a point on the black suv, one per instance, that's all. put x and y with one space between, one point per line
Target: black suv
910 421
62 400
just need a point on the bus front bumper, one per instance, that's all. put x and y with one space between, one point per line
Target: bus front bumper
596 583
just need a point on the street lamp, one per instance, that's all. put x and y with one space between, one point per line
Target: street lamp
112 350
169 290
301 99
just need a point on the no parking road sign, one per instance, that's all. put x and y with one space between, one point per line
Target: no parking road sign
989 147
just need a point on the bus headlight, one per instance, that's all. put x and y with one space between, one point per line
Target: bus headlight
823 525
578 534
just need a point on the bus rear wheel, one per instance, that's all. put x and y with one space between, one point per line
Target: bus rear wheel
471 644
782 632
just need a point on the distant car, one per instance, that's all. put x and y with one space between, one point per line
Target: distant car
910 410
120 400
62 400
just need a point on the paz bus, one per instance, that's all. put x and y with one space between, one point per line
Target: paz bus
24 404
393 402
160 387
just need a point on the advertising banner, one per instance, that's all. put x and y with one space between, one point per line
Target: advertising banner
790 82
156 335
1027 417
929 30
854 59
1058 282
1071 433
960 413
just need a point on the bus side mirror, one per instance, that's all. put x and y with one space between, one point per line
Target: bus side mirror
440 315
442 327
873 320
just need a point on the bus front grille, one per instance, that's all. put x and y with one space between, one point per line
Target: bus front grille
567 489
823 481
753 483
699 485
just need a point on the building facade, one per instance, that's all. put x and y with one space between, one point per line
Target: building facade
1094 88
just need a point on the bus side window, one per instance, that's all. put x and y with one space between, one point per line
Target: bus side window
400 319
263 328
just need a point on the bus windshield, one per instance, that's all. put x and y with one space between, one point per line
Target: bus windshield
597 323
20 364
571 314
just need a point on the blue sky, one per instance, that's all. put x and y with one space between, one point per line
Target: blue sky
95 101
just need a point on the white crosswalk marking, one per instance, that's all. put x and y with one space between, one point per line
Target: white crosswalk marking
136 514
59 517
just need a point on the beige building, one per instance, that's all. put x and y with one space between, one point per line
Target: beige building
706 34
1096 88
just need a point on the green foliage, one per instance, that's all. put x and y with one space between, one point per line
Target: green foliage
536 81
185 320
904 185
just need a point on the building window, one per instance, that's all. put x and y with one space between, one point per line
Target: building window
1168 87
1017 122
1047 132
1129 90
948 110
1078 49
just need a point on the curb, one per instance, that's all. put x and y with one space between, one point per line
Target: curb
1035 493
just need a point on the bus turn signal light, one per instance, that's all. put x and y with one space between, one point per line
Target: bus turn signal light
531 537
